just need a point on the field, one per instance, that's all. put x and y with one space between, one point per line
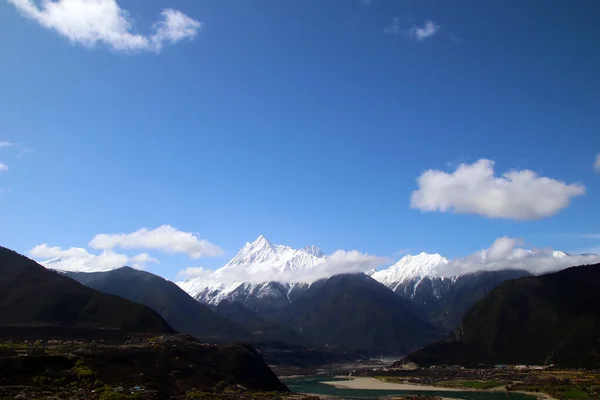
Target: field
559 384
144 368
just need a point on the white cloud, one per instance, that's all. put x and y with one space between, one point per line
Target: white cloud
164 238
504 253
597 163
473 189
77 259
195 272
90 22
7 144
3 167
349 262
501 248
429 29
139 261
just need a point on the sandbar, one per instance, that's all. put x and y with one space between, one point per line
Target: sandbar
376 384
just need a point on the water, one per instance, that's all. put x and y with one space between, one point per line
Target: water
312 385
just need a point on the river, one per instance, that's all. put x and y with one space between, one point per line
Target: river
313 385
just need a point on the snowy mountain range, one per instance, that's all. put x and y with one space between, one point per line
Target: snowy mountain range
409 267
265 276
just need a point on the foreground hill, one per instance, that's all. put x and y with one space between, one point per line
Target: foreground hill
549 319
357 313
180 310
162 367
33 297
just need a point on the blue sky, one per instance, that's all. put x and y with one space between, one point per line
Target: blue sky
307 121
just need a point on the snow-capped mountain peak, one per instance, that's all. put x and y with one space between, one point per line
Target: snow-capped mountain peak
559 254
256 264
314 250
260 244
409 267
261 256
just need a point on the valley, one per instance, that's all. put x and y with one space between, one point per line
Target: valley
171 345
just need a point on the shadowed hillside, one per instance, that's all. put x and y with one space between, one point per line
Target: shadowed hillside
357 313
550 319
261 329
180 310
32 296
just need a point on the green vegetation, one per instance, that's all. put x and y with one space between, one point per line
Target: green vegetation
112 395
560 384
574 385
220 386
472 384
82 371
575 394
195 395
14 346
41 380
232 393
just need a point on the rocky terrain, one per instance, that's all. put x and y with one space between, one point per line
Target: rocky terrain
160 367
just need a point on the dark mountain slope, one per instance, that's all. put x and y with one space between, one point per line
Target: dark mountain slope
357 313
180 310
444 301
553 318
32 296
262 330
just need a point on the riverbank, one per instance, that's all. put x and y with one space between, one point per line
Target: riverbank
376 384
547 384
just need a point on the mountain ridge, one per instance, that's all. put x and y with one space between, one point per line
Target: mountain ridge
183 312
538 320
33 296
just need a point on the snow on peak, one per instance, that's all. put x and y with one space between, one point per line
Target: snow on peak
258 262
314 250
409 267
559 254
261 243
262 257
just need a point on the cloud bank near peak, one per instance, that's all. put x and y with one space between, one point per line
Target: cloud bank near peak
164 238
507 253
77 259
90 22
475 189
